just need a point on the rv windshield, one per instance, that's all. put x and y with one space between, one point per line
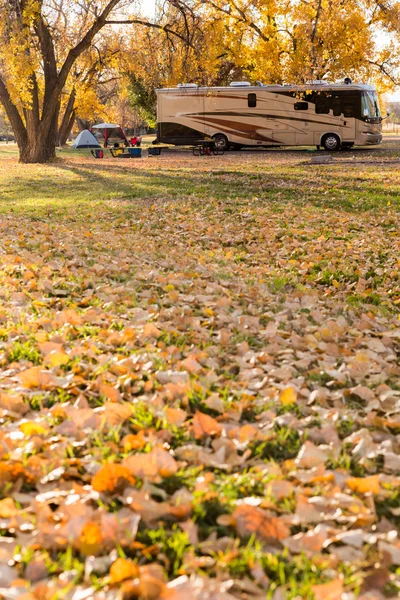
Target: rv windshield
370 105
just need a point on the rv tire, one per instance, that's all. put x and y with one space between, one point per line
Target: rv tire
331 142
221 141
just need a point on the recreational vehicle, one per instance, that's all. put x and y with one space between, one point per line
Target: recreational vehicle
318 114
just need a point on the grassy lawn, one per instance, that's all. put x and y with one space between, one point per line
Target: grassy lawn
200 376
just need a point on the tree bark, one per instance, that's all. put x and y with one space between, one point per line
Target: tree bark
68 119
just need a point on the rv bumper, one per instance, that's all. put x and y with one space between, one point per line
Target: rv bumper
372 138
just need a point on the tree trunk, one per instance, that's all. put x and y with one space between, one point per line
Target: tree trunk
39 146
68 120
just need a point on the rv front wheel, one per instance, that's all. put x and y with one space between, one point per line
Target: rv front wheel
331 142
221 141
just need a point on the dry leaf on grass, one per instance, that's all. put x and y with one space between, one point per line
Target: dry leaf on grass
152 465
112 478
329 591
288 396
204 425
250 520
123 569
364 485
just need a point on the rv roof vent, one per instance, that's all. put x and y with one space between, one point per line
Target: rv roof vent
317 82
240 84
347 81
187 85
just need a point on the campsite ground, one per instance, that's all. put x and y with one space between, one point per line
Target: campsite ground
200 375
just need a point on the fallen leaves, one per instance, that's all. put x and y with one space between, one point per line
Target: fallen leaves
36 377
201 387
204 425
153 465
250 520
364 485
329 591
8 508
123 569
112 479
288 396
90 540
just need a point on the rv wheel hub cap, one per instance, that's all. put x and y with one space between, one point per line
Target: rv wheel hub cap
331 142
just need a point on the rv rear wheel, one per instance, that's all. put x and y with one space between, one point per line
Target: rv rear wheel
221 141
331 142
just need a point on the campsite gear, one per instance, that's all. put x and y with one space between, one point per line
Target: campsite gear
136 140
206 148
98 153
154 151
108 130
134 152
116 152
85 139
128 153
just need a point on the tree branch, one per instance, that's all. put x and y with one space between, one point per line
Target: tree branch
165 28
12 112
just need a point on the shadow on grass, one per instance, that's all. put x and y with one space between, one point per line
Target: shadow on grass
267 181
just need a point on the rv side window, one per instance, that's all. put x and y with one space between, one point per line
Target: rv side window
336 106
301 106
322 105
252 100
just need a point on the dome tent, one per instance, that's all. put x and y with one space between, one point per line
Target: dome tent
85 139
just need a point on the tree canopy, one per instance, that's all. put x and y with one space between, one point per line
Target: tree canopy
56 54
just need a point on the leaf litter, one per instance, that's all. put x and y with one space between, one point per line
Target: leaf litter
200 399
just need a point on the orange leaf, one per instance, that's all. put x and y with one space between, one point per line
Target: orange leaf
129 334
13 403
134 442
10 473
151 331
37 377
288 396
153 465
204 425
56 358
364 485
110 392
328 591
191 365
175 416
123 569
252 520
68 315
112 478
31 428
7 508
115 414
47 347
91 539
